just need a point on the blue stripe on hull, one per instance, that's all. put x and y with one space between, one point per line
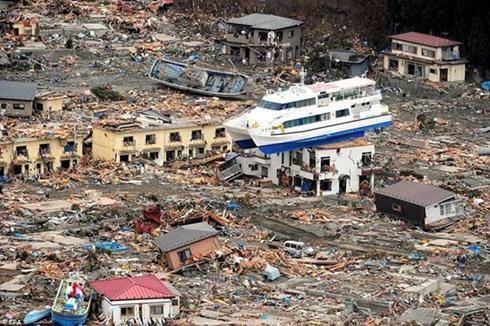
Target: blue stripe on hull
320 140
68 320
246 143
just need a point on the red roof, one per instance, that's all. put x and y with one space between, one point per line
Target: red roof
130 288
425 39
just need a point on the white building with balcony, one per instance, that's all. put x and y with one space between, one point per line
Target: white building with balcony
425 56
320 171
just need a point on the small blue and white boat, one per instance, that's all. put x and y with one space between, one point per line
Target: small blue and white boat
72 302
311 115
36 316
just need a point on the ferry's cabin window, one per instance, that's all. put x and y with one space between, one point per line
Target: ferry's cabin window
323 95
282 106
342 113
306 120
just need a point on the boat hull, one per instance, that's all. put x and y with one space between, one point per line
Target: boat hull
329 134
61 319
239 94
37 315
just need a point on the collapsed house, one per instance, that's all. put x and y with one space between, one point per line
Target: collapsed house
263 39
426 56
417 203
137 298
324 170
355 64
187 244
157 137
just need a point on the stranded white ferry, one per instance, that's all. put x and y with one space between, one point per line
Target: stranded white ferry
311 115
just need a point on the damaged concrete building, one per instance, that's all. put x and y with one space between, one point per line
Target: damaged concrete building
39 155
155 139
321 171
263 39
426 56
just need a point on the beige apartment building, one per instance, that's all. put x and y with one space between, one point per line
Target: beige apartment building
35 156
124 140
425 56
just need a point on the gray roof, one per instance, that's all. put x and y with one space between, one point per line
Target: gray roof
416 193
268 22
184 235
347 56
17 90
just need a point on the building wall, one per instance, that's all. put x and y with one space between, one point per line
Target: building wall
197 249
35 163
51 104
344 161
109 145
409 212
293 43
9 109
433 212
141 309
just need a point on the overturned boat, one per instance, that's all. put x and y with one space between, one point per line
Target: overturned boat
311 115
199 80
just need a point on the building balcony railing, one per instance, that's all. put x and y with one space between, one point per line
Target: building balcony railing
237 38
23 156
130 143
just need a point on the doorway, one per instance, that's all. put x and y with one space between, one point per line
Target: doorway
343 184
444 74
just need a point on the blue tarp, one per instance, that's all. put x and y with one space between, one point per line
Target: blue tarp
486 85
108 246
233 206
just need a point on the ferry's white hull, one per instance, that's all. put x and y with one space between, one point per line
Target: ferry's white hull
282 142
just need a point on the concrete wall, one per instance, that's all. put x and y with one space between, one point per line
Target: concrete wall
34 163
141 309
345 161
109 145
51 104
9 109
197 249
289 47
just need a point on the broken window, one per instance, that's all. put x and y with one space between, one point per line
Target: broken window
124 158
127 311
2 171
224 148
184 255
312 159
156 310
366 159
44 149
298 158
65 164
196 135
175 136
21 151
291 33
393 64
153 155
200 151
409 49
433 71
17 169
279 36
254 167
170 155
18 106
396 46
219 132
326 185
128 141
396 208
325 163
70 147
4 106
297 181
428 53
263 36
150 139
